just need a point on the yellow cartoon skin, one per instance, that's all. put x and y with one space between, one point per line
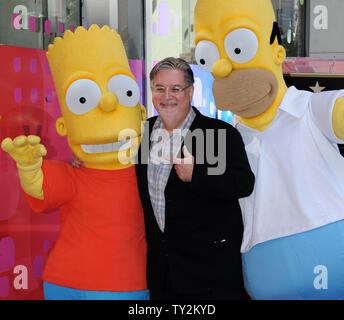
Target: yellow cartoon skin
99 100
233 42
284 237
99 97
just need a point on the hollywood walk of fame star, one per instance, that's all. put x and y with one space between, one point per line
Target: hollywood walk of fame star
317 88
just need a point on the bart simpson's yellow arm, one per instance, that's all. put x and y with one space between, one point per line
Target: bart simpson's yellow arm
338 118
28 154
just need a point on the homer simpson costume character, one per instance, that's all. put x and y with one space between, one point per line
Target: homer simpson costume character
100 252
293 243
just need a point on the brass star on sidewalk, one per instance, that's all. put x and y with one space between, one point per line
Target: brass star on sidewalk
317 88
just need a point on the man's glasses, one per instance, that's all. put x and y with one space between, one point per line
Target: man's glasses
175 90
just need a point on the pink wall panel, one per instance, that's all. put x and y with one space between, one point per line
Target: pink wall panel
28 106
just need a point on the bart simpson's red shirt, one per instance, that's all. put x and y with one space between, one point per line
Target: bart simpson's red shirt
101 245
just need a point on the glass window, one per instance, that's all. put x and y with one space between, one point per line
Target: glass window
131 27
173 35
126 17
291 18
172 29
310 31
62 15
35 23
131 30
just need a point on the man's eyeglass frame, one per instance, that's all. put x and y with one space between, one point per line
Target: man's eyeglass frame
175 90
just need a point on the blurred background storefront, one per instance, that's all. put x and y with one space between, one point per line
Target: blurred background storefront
151 30
154 29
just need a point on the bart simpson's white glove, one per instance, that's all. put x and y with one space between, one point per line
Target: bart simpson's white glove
28 154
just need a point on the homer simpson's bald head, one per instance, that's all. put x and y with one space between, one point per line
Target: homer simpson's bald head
239 42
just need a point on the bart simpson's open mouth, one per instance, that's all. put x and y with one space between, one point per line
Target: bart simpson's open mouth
108 147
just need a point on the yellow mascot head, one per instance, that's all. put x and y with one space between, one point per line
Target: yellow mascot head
239 42
98 96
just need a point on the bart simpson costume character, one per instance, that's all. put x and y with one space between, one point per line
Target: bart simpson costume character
293 239
100 252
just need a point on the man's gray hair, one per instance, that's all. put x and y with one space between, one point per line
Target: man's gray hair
174 63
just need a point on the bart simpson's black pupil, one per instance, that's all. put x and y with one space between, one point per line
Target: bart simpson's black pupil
237 51
82 100
129 93
202 61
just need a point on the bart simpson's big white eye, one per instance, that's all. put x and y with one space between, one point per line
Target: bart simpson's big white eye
82 96
241 45
206 55
126 90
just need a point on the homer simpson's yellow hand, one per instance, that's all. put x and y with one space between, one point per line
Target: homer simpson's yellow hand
338 118
28 154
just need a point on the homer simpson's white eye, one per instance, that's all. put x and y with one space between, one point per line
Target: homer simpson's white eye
126 90
82 96
206 55
241 45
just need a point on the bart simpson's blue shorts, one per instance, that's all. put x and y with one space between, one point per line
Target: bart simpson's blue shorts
304 266
55 292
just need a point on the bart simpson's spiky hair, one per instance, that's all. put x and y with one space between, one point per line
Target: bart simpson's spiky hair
82 37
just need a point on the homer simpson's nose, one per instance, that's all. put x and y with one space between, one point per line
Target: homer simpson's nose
222 68
108 102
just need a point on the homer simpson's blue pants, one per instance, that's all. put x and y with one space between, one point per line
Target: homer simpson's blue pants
55 292
307 266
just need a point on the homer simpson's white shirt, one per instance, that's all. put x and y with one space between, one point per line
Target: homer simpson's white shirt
298 168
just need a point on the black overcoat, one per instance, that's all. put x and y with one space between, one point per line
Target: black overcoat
203 222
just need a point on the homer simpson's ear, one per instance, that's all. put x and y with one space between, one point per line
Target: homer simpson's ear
143 112
278 54
61 127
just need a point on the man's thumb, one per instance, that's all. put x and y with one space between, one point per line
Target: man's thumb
186 152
